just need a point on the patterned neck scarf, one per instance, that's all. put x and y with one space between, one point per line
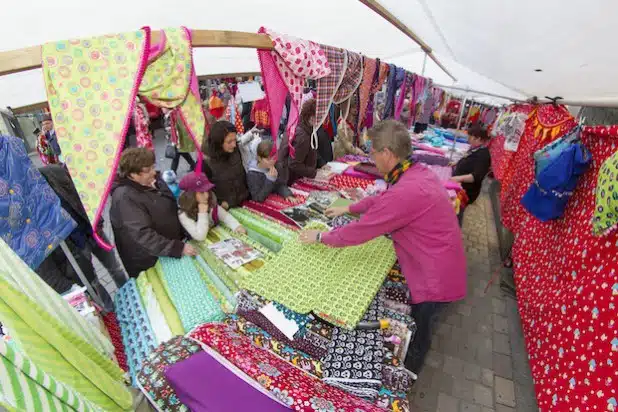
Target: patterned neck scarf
394 175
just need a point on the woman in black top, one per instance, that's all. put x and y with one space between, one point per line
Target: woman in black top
474 166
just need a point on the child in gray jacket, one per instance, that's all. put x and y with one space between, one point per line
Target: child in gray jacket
262 175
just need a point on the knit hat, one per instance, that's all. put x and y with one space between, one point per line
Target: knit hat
195 182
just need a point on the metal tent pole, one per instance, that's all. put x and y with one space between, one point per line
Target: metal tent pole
467 90
93 294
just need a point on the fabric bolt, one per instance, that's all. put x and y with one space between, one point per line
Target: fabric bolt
263 339
350 182
230 300
369 71
605 216
115 335
296 389
170 313
341 221
354 362
32 221
205 382
392 400
23 279
265 227
157 321
565 277
327 86
137 335
26 387
91 97
188 292
151 377
291 62
314 278
57 351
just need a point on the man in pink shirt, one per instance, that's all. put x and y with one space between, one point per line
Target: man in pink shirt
416 212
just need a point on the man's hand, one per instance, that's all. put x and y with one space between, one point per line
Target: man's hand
337 211
241 230
189 250
225 205
309 237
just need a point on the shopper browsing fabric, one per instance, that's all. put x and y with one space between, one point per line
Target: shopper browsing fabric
224 166
417 214
144 214
304 161
474 166
47 142
263 177
199 210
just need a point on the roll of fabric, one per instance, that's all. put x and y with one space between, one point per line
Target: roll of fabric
225 291
167 307
156 318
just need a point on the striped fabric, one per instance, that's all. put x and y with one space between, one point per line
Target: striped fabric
55 349
25 387
23 279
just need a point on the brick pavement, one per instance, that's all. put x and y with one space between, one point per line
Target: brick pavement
478 362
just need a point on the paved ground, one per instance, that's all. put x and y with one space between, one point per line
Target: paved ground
478 362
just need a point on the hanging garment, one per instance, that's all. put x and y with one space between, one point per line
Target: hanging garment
406 86
287 279
205 382
260 114
605 216
32 220
137 335
189 293
27 388
328 86
370 66
296 389
381 76
284 70
141 121
46 152
151 377
58 351
351 79
91 98
396 76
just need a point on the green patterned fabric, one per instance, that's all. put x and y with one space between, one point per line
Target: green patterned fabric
59 352
337 284
25 387
606 206
167 307
23 279
262 226
209 276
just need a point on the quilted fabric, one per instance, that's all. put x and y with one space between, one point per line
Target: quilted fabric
91 84
32 221
193 300
337 284
137 335
296 389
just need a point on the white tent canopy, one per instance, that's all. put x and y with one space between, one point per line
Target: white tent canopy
343 23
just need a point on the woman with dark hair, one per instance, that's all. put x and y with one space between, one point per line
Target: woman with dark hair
304 161
474 166
223 165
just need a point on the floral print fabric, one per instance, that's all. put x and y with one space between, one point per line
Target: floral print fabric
151 377
296 389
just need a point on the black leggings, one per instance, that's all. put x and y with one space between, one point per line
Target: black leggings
188 159
425 315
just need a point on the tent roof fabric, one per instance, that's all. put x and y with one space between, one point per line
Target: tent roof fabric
342 23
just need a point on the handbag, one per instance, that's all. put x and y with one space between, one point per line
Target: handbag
170 151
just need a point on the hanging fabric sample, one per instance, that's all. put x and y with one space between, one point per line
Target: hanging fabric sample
396 76
369 73
605 216
91 87
327 87
32 220
151 377
351 80
296 389
137 335
141 121
59 352
189 293
325 280
284 70
381 75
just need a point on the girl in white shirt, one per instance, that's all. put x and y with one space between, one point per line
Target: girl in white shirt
198 209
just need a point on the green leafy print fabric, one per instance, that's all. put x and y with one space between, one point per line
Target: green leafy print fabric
606 206
337 284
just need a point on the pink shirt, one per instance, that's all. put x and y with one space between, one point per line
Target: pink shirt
417 213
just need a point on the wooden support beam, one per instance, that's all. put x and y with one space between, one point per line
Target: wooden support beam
390 17
29 58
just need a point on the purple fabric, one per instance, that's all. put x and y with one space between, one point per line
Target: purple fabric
355 173
430 159
204 384
402 96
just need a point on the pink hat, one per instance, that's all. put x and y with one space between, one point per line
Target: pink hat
195 182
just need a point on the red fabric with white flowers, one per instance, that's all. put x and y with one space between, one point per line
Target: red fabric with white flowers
567 281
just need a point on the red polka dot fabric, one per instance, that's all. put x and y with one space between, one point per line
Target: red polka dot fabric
567 280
